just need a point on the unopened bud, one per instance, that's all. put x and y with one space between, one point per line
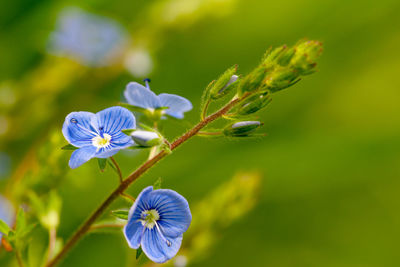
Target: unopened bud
254 80
304 60
281 79
254 104
223 84
241 129
146 138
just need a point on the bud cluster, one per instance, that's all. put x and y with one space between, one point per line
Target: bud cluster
280 68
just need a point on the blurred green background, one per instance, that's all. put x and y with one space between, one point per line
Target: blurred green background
330 163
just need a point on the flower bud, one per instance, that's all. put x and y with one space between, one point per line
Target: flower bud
146 138
224 84
281 79
254 80
241 129
254 104
227 88
306 54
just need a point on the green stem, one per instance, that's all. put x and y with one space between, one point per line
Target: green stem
85 227
52 243
19 259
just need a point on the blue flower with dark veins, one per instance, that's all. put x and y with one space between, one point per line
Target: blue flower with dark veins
156 105
97 135
92 39
6 213
156 222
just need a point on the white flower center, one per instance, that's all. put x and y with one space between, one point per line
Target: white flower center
149 218
101 142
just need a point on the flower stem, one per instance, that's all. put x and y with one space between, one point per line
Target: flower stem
204 133
19 259
121 178
52 243
85 227
205 108
128 197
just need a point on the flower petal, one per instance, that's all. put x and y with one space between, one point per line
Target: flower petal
156 248
113 120
175 216
81 155
140 96
139 205
177 105
133 230
6 212
79 128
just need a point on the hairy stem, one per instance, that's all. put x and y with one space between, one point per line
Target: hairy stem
85 227
121 178
52 243
19 259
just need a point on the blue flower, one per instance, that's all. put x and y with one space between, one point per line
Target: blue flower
6 212
156 222
97 135
172 105
91 39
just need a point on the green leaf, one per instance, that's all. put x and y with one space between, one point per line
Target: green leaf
21 221
128 131
121 214
139 252
157 184
102 164
69 147
133 108
112 165
145 127
4 228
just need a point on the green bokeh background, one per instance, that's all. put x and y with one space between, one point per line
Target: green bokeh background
330 162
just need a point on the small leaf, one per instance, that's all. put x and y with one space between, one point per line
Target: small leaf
102 163
4 228
128 131
133 108
112 165
139 252
145 127
157 184
121 214
21 221
69 147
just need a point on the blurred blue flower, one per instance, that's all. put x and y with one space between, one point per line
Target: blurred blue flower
97 135
6 212
89 38
140 96
156 222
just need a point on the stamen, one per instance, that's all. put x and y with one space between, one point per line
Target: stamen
74 120
147 81
162 236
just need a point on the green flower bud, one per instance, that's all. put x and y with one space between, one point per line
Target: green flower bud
281 79
254 104
241 129
254 80
146 138
227 88
222 85
306 54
